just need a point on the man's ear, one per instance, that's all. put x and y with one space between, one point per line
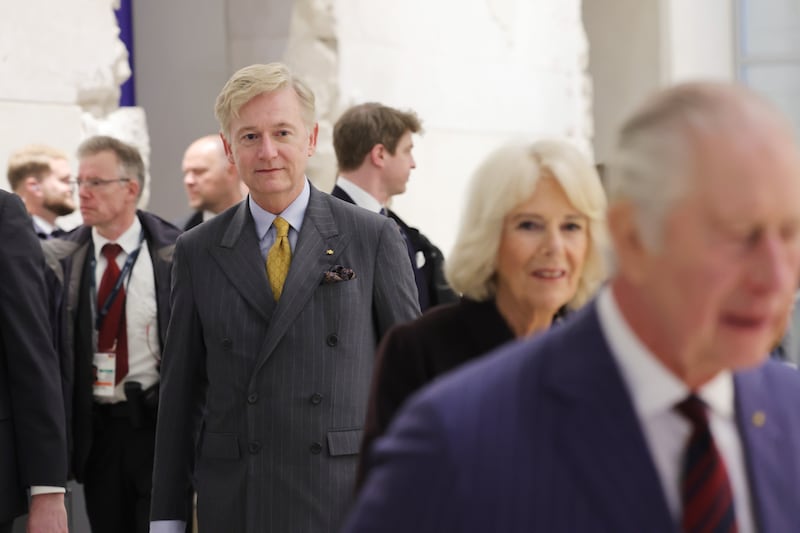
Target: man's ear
312 139
632 253
228 149
377 155
134 187
32 186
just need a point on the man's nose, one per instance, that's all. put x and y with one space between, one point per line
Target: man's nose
269 149
776 265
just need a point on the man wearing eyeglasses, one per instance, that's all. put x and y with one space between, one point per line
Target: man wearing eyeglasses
40 175
112 277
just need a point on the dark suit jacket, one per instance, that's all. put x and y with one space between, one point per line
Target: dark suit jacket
191 221
414 354
33 445
432 286
265 401
68 276
543 437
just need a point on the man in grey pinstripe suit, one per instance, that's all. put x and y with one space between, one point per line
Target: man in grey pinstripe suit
263 398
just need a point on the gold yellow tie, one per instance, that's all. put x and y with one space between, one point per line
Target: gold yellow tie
279 258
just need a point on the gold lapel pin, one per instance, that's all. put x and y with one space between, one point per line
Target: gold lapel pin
328 252
759 418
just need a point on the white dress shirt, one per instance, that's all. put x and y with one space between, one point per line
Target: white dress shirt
361 197
655 391
42 224
293 214
144 349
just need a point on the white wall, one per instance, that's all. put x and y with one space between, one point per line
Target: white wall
700 40
625 61
507 69
53 69
637 46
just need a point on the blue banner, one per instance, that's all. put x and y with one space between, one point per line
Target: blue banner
125 22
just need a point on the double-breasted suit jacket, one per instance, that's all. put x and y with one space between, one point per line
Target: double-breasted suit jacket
263 401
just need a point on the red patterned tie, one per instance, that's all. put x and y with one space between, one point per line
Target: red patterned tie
113 327
705 488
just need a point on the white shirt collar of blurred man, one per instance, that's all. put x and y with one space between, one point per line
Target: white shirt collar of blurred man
654 393
361 197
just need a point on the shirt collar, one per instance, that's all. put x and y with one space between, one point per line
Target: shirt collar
129 240
361 197
653 388
293 214
42 224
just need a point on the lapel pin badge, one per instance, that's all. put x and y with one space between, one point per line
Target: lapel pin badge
328 252
759 418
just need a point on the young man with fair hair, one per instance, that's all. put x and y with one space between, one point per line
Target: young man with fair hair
373 145
40 175
278 305
211 181
654 408
112 276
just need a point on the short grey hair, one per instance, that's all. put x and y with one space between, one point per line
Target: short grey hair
253 80
657 148
506 178
131 164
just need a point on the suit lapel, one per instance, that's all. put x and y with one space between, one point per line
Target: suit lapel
770 452
339 193
239 256
599 432
310 260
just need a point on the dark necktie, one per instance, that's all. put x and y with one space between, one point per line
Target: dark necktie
705 489
113 334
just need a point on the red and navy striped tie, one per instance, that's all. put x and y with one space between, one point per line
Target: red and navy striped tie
705 488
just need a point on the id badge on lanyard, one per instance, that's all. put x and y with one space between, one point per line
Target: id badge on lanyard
104 364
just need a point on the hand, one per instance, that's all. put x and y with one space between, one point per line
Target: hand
47 514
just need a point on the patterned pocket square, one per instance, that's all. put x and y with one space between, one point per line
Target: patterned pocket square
338 273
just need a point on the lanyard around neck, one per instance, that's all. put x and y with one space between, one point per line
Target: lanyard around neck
126 272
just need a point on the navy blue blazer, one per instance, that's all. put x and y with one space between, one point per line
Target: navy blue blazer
543 437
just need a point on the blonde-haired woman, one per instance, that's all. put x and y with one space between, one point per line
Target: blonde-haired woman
528 251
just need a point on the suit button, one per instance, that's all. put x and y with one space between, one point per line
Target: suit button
252 398
332 340
316 448
254 447
226 344
316 398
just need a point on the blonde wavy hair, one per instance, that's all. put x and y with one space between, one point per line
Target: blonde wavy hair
506 178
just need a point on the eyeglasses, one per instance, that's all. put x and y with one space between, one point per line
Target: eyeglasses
95 183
